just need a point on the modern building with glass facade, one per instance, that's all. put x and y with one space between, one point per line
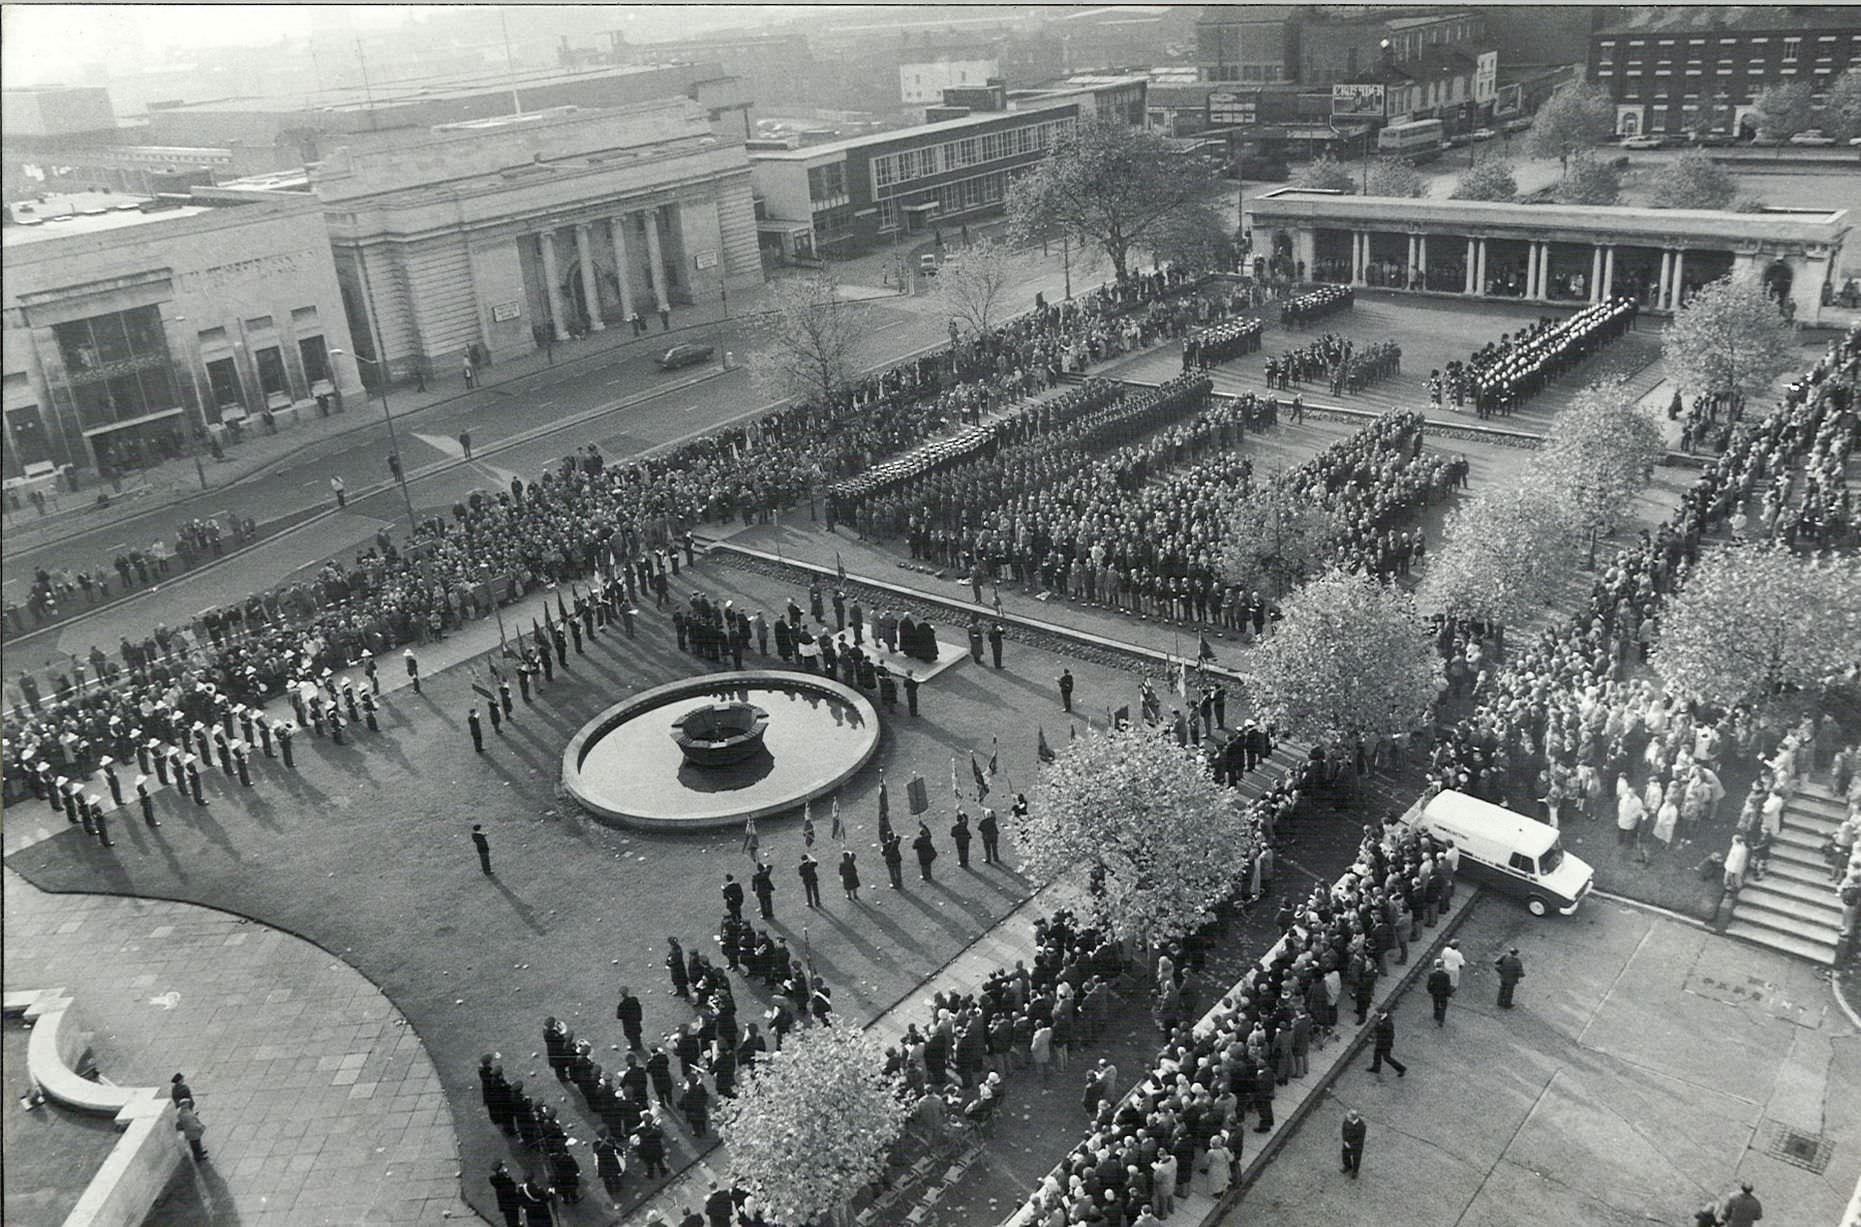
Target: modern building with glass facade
133 331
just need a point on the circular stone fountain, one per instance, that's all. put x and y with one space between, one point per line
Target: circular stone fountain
712 751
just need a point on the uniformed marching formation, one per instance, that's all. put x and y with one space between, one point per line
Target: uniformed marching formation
1348 368
1302 309
1220 343
1503 374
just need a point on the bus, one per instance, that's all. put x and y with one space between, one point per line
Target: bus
1418 140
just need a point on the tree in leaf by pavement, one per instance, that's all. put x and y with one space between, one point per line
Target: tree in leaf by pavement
974 288
1503 558
1589 180
804 343
1395 177
1840 116
1783 110
1754 620
1694 181
811 1125
1597 456
1197 239
1144 817
1492 179
1352 656
1276 537
1326 173
1108 185
1577 116
1728 338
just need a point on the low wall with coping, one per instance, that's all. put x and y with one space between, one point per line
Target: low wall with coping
147 1154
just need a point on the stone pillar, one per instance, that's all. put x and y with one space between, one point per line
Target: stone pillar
1360 254
1531 270
655 269
1479 275
1468 284
1608 290
623 268
1596 273
591 289
1544 271
552 284
1667 269
1679 287
1421 258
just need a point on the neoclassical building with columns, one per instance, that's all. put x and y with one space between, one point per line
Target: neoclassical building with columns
520 230
1547 253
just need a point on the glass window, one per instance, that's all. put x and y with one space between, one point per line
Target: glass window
271 370
223 382
1521 862
316 359
27 428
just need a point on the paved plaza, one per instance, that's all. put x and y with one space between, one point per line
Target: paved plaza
1647 1068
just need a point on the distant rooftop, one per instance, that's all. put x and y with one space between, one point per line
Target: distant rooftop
1737 18
810 152
59 217
440 88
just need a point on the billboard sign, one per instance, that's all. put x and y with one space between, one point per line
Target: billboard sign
1357 101
1508 102
1227 109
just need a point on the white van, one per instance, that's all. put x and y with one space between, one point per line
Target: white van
1508 852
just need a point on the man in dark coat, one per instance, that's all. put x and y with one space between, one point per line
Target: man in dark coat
959 834
764 887
810 873
1354 1132
893 854
1386 1045
631 1015
733 896
1440 988
1066 689
926 849
1511 971
504 1186
997 634
990 830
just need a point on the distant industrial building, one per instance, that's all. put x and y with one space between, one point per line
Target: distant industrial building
848 195
1318 44
132 329
1682 69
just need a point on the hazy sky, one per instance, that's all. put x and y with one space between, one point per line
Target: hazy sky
44 42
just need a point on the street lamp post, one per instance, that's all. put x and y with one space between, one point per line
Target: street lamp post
394 443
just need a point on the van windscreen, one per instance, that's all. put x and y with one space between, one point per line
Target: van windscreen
1552 858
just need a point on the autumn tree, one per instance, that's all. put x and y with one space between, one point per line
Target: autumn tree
1109 185
1729 338
1502 558
1143 819
1694 181
1327 174
1276 537
804 343
1395 177
1841 113
974 289
1352 657
1754 620
1589 180
1198 238
1492 179
1577 116
1597 456
811 1124
1783 110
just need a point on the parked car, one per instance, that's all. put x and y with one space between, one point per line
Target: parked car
1812 137
1642 142
685 355
1482 134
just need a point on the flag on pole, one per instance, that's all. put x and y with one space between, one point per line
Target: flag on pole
750 842
1122 717
956 792
918 793
839 567
548 619
1206 652
1044 751
995 752
982 785
885 811
807 824
560 607
1072 731
1182 678
839 827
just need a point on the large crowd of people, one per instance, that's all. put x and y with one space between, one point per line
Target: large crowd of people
1503 374
1302 309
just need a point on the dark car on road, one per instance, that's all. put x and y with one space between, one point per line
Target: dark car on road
684 355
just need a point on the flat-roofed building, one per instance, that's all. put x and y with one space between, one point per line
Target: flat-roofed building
130 334
1549 253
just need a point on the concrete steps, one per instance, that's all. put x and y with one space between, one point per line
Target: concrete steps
1795 908
1788 943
